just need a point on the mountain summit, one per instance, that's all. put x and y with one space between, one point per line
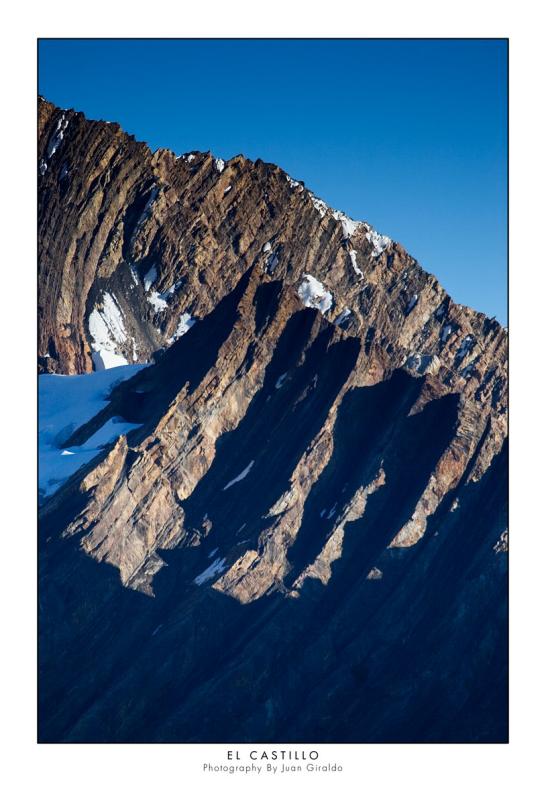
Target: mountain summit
273 466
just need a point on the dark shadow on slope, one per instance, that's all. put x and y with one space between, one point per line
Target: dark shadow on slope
266 301
145 398
455 590
133 214
425 663
123 667
409 458
434 651
280 423
365 422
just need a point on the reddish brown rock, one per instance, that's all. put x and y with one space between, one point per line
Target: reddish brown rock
291 445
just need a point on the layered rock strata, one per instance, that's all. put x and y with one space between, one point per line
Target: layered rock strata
311 512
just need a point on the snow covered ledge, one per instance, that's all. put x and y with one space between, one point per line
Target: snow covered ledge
107 331
313 294
65 403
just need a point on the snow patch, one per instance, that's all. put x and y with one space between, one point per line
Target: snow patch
150 278
294 184
215 568
134 275
501 545
107 332
320 205
105 359
113 317
65 403
266 248
379 243
172 289
220 164
314 295
374 574
57 136
350 226
352 255
343 318
227 189
109 432
280 380
422 362
157 301
239 477
184 324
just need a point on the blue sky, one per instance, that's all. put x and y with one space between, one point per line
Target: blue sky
409 135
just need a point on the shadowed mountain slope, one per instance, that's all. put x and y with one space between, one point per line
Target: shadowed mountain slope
301 537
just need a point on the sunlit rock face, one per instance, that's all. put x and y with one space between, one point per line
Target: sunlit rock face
285 518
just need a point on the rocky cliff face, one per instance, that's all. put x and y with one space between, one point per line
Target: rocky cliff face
303 537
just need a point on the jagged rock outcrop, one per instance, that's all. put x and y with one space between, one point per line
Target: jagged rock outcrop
312 509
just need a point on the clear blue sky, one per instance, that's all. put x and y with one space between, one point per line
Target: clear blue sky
409 135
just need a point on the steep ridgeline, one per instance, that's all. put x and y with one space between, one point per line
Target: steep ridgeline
309 500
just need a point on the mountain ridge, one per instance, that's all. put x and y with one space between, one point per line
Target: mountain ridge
46 109
318 432
240 156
